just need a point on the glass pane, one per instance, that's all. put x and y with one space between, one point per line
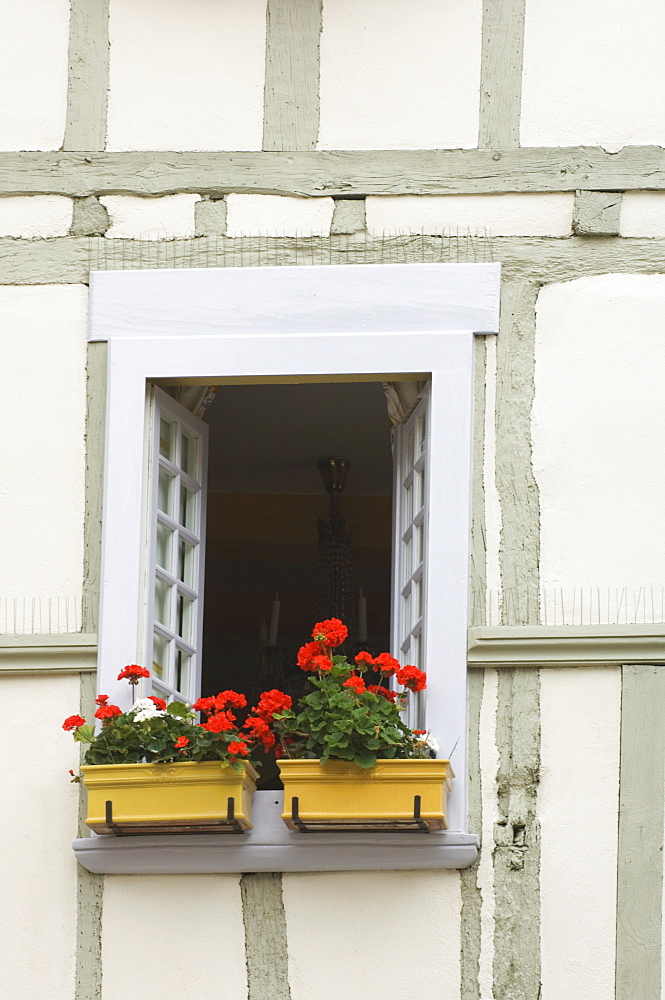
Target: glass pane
408 505
408 559
418 478
187 508
183 669
188 455
160 656
409 449
166 429
417 598
162 602
421 432
165 492
407 611
164 543
418 543
186 563
185 617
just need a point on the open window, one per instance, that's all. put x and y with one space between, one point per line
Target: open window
288 328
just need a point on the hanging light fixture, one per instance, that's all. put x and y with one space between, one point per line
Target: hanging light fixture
334 596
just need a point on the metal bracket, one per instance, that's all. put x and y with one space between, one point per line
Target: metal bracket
129 830
396 826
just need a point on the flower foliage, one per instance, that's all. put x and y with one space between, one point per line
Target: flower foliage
155 732
342 718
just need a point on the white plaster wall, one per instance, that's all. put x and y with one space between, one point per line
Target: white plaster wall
598 446
186 75
578 809
39 821
43 333
373 935
482 214
36 216
593 73
34 41
400 75
172 216
275 215
173 936
493 519
642 214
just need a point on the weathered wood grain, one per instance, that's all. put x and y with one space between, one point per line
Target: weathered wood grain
471 896
518 493
597 213
94 466
517 839
265 936
88 75
324 173
69 260
89 890
640 852
501 74
291 95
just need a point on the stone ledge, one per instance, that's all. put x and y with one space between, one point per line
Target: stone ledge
270 847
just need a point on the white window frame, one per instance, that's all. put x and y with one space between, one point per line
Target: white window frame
279 322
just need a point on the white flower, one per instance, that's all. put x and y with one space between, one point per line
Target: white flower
145 709
429 741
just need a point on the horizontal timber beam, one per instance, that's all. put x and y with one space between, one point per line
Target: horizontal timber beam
69 260
566 645
339 173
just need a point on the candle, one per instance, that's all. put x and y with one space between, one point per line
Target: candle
362 616
263 633
274 622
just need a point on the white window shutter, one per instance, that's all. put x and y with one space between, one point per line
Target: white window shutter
176 564
410 528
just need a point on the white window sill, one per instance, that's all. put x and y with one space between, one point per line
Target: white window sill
270 847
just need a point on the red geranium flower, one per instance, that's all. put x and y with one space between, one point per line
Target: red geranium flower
157 702
108 712
132 672
357 683
384 692
219 723
73 722
386 663
182 741
272 702
412 678
101 699
228 699
364 657
204 705
331 632
322 663
306 654
238 748
258 729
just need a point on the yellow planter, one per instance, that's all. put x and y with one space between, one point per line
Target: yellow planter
344 796
188 797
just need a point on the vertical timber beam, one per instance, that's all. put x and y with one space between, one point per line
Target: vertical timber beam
478 535
87 88
89 890
94 481
291 97
265 937
471 897
516 484
640 853
501 74
516 970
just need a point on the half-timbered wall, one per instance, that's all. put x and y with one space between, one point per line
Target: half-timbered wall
197 133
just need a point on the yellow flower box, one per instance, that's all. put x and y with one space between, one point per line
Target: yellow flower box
187 797
395 794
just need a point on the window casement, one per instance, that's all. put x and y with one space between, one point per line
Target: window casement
284 325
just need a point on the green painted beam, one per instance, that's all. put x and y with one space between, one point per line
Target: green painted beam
291 94
640 850
339 173
501 74
536 260
265 936
88 75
